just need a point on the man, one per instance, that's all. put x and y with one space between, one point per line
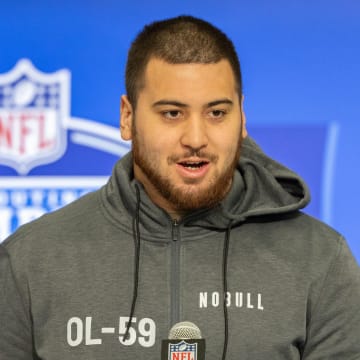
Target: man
196 223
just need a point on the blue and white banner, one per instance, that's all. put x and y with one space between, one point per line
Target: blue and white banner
44 152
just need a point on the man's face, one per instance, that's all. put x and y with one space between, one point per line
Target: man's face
186 133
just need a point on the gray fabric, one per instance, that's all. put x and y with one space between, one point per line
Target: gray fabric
66 280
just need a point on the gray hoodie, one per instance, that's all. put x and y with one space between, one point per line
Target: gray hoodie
256 275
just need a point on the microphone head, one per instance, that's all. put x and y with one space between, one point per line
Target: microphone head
185 330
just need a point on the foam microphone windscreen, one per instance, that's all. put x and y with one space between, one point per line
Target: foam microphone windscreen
184 343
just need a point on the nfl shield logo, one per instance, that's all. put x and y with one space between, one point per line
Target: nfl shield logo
183 351
34 108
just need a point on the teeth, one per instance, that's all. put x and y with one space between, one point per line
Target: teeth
193 165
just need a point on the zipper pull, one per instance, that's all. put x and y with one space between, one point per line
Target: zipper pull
175 229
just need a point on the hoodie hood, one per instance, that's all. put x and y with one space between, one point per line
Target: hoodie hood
261 187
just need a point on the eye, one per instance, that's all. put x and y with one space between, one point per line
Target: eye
217 114
172 114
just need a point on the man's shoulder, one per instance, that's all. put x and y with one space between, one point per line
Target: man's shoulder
56 225
317 226
312 240
298 224
298 238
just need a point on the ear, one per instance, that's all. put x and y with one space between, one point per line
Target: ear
243 118
126 118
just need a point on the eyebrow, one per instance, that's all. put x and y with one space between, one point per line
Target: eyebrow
219 102
182 105
169 102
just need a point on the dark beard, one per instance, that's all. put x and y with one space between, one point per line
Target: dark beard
186 201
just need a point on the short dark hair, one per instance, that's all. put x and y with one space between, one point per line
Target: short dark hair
179 40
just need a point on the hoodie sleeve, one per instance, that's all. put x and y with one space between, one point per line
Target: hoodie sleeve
15 333
333 332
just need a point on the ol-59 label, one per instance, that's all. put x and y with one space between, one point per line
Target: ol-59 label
80 332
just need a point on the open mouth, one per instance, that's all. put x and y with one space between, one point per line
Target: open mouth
193 169
193 165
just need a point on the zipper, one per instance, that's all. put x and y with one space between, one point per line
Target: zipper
175 273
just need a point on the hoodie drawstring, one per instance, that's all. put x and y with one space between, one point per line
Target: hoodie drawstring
136 232
225 289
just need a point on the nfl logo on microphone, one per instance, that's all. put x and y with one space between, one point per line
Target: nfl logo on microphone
182 351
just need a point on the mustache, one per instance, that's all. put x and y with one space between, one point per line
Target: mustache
204 155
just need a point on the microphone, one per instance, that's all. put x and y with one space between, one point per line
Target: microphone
184 343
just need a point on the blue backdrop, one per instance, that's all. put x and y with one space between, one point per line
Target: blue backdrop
300 62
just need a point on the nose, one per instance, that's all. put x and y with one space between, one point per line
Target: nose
194 133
